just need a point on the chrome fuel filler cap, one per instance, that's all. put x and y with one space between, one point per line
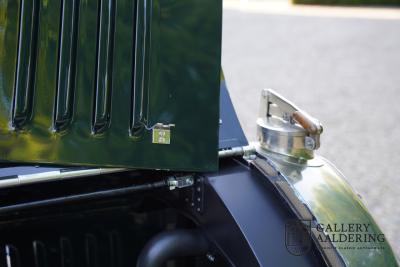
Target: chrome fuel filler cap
285 129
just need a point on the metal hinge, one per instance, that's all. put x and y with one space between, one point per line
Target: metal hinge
174 182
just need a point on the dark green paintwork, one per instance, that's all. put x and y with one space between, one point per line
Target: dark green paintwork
331 200
67 65
92 100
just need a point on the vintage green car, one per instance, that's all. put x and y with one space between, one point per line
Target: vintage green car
120 146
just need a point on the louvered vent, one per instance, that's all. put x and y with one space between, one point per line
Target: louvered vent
64 101
95 82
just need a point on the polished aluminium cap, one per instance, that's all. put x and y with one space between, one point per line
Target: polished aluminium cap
285 129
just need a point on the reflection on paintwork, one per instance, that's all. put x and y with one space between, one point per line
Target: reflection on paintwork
64 102
332 201
26 63
182 78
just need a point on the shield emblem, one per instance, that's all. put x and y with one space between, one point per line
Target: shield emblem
297 236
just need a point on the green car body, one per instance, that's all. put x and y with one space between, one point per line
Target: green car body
136 84
86 82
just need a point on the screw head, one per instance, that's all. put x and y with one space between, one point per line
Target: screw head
210 257
309 143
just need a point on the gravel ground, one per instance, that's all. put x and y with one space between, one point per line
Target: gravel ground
344 71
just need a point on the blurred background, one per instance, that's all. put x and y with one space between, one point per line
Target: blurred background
339 63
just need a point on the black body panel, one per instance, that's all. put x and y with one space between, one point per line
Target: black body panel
230 132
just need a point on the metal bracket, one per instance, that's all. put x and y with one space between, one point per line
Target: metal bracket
195 197
180 181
